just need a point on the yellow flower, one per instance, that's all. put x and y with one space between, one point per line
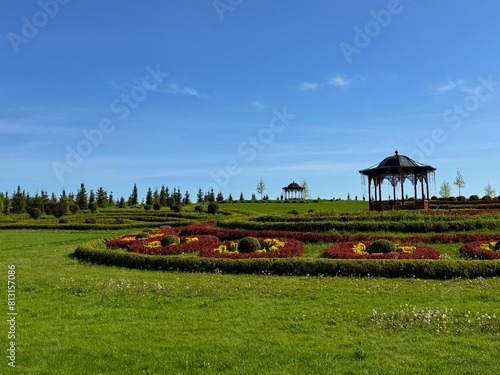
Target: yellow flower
405 249
191 239
272 244
359 248
154 244
131 238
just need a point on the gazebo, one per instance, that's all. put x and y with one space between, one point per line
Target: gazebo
293 191
396 169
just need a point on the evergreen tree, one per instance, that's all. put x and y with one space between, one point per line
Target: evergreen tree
254 198
121 204
211 196
18 201
156 196
102 197
81 197
6 204
149 197
220 197
92 197
2 202
163 196
230 198
111 200
242 198
133 200
64 198
186 199
199 196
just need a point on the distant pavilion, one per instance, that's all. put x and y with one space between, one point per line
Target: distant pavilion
397 169
293 191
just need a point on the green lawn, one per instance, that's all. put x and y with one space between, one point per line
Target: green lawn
76 318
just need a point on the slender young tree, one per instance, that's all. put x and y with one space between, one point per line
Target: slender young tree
445 190
81 197
134 197
459 182
261 187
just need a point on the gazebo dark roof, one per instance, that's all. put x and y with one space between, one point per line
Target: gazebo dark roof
293 185
397 163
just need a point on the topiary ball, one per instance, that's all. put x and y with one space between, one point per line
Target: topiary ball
248 245
497 246
381 246
170 240
142 235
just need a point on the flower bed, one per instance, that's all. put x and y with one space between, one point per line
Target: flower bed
357 250
480 250
270 248
153 246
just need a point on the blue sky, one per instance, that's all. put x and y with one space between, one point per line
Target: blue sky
195 93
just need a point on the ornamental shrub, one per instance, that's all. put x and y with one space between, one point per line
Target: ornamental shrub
381 246
497 246
170 240
213 208
486 198
93 207
176 208
248 245
90 220
474 197
35 213
198 208
63 221
147 207
142 235
59 209
293 212
157 206
461 198
74 208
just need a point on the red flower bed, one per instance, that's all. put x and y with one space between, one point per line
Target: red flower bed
143 246
472 250
228 234
292 248
344 250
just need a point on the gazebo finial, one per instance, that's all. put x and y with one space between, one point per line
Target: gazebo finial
396 152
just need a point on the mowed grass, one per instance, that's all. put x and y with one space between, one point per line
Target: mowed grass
78 318
283 207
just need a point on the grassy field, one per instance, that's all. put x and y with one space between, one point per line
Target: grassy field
76 318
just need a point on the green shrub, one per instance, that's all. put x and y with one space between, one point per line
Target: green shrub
93 207
176 208
381 246
59 209
147 207
213 208
486 198
35 213
142 235
157 206
293 212
91 220
198 208
74 208
248 245
170 240
461 198
497 246
474 197
63 221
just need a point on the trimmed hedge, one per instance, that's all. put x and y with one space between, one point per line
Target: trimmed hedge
94 252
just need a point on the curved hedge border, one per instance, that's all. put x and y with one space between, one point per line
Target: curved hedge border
95 252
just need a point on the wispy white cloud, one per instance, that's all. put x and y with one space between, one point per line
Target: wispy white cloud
258 104
184 90
449 86
305 86
340 80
